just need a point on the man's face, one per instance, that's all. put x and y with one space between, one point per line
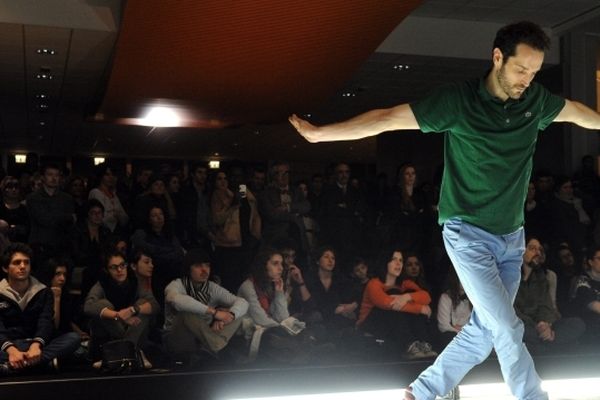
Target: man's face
258 180
95 215
109 179
533 253
157 218
594 263
281 175
544 183
360 271
566 258
51 178
200 175
19 268
199 273
342 174
516 73
144 177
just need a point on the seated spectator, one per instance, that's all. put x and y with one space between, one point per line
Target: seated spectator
297 295
330 299
26 317
199 314
586 295
413 270
566 269
454 310
67 317
13 211
397 310
359 277
159 242
544 329
118 308
265 293
89 242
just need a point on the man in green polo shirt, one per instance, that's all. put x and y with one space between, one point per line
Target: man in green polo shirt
491 127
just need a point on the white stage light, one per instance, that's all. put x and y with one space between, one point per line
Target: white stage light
559 389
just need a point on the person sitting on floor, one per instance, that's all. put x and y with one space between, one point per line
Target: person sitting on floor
26 317
454 310
396 310
199 314
544 329
118 308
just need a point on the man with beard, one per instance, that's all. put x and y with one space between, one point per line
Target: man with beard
544 328
491 127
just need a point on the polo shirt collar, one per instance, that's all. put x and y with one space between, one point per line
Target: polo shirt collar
487 96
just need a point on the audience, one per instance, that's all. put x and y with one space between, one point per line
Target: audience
231 220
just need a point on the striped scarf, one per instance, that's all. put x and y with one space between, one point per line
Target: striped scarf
198 291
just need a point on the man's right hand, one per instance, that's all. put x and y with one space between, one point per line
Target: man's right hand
305 128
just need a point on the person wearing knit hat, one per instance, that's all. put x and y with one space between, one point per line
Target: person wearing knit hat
200 315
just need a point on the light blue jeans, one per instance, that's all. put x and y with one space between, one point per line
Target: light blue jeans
489 268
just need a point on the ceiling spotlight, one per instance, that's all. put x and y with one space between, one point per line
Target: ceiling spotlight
45 76
46 51
161 116
42 123
20 158
41 96
348 94
401 67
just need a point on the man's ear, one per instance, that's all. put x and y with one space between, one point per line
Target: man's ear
497 57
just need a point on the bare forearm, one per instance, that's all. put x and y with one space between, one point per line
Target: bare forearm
579 114
364 125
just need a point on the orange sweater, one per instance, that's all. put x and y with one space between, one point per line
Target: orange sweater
375 296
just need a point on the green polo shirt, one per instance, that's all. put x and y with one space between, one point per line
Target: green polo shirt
489 146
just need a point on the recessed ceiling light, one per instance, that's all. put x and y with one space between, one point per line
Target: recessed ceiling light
348 94
45 76
42 123
41 96
161 116
401 67
46 51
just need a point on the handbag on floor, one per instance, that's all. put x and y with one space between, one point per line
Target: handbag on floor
120 357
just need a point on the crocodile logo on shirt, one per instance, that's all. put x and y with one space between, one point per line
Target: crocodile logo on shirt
528 114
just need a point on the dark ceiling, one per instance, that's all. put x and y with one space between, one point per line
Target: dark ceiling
237 67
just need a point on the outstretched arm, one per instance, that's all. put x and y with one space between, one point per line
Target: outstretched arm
364 125
579 114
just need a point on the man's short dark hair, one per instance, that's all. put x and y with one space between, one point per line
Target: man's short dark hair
48 166
524 32
11 250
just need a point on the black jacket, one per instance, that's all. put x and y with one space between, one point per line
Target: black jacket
34 322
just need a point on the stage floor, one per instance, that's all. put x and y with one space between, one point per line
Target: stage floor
227 383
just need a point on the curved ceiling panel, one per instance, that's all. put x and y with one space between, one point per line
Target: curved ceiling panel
226 62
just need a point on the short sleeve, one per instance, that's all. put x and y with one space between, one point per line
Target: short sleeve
438 111
552 105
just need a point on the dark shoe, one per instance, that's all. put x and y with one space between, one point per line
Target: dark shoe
6 370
